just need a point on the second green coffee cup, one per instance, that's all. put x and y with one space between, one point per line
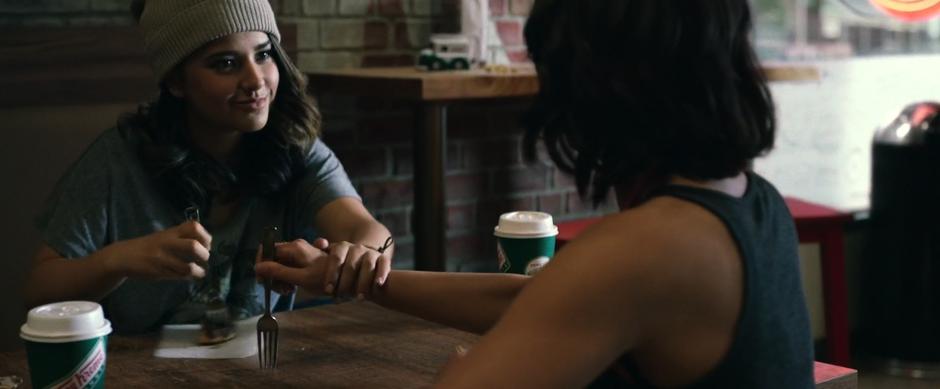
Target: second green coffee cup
525 241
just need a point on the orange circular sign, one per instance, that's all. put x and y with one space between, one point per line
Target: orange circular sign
909 10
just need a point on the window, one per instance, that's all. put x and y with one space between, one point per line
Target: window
872 66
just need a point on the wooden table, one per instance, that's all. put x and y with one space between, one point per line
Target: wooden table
354 345
431 92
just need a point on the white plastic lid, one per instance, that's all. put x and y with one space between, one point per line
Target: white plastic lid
525 224
68 321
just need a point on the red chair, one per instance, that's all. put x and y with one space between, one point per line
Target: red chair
814 224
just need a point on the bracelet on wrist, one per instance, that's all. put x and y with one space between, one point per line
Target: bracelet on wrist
381 249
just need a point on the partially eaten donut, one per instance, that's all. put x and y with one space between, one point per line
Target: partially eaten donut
217 327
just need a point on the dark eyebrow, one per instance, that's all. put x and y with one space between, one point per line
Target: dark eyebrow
262 46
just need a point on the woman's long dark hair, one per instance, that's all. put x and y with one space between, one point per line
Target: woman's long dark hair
270 158
635 91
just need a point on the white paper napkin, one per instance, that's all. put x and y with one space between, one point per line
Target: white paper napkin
179 341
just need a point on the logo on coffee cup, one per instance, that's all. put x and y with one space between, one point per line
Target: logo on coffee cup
88 372
504 264
535 265
65 344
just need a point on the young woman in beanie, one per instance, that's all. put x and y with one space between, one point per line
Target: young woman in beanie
233 134
695 283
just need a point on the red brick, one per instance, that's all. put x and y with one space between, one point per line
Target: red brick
403 159
339 139
319 7
461 217
353 34
355 7
44 7
520 7
450 6
446 24
337 123
500 152
550 203
562 180
425 7
386 127
336 120
467 246
524 179
454 156
404 253
576 205
332 105
387 193
466 186
510 32
412 35
488 211
361 162
468 122
541 154
376 35
448 20
508 118
392 8
498 7
398 222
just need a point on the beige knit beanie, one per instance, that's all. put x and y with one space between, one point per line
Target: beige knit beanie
174 29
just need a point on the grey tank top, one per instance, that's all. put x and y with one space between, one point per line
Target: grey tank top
772 346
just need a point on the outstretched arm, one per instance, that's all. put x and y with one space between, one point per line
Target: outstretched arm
54 278
573 319
468 301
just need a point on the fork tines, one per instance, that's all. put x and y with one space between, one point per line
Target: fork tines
267 324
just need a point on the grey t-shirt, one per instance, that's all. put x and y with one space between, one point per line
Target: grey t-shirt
106 196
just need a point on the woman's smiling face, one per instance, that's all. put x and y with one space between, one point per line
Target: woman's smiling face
228 85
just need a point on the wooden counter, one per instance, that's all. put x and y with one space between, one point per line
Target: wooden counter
408 83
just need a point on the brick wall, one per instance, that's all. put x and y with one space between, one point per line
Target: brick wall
485 173
352 33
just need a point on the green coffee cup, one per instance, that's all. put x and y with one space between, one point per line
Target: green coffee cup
66 345
525 241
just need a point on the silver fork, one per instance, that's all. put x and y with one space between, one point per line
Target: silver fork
217 323
267 324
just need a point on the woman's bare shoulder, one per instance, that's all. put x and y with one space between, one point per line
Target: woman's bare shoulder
662 220
659 236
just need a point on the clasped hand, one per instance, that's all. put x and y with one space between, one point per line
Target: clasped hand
341 268
178 252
